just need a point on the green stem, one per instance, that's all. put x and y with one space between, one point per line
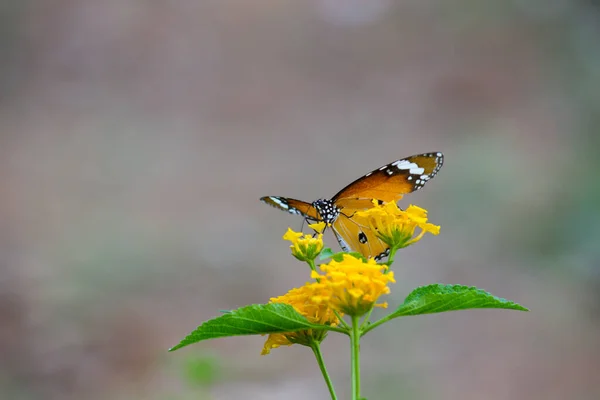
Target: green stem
337 329
355 357
341 319
366 319
376 324
390 260
311 264
316 348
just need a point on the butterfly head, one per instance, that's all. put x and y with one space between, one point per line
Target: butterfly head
327 210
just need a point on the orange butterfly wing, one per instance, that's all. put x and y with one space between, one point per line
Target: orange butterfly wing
355 237
388 183
392 181
293 206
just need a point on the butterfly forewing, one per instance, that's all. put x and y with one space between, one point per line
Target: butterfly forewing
392 181
293 206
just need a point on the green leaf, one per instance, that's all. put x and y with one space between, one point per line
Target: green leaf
256 319
438 298
339 257
326 253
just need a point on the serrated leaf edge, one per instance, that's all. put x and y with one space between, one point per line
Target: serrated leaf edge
449 289
232 314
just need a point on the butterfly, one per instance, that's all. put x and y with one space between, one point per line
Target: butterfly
385 184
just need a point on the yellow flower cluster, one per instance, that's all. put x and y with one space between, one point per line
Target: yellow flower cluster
318 313
352 286
396 227
304 247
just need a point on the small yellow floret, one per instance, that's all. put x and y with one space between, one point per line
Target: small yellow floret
304 247
319 227
396 227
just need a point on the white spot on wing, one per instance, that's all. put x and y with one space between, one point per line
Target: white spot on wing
411 167
280 203
404 164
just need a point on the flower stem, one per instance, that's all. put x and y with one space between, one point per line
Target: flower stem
355 357
345 331
390 260
316 348
376 324
365 321
341 319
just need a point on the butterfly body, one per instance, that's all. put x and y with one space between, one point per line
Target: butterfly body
326 210
385 184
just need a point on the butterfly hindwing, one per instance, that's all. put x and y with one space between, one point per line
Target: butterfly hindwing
392 181
293 206
354 237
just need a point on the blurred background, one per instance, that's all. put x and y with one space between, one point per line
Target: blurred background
137 136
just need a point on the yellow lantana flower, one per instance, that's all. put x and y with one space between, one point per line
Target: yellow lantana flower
302 301
396 227
304 247
352 286
319 227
